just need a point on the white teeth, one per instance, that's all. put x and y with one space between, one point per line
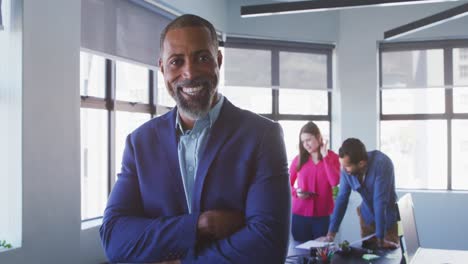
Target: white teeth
192 90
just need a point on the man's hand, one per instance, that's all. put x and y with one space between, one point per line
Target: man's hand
330 237
219 224
386 244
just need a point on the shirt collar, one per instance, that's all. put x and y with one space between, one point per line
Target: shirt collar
211 117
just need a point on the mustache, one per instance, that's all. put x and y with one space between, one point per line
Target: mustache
200 81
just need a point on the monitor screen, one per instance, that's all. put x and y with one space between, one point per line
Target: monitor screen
408 221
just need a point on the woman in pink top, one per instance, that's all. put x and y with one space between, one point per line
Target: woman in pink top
316 170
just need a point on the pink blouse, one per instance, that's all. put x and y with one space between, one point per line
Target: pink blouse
318 178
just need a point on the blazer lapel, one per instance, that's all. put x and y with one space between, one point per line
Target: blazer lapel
168 142
222 129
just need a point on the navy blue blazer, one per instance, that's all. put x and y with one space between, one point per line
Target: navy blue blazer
243 167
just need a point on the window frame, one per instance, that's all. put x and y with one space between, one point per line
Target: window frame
447 46
275 47
111 106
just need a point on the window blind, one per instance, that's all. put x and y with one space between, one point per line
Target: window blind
122 28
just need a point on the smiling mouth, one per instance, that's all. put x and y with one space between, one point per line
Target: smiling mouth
191 91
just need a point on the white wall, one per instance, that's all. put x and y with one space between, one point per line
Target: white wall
212 10
50 126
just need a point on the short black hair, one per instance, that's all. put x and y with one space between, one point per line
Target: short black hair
189 20
354 149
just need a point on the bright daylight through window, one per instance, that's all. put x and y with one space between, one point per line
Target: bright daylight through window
424 113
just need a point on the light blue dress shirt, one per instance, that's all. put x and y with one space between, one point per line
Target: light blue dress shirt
377 191
191 145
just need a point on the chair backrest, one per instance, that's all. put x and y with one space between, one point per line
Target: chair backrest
408 222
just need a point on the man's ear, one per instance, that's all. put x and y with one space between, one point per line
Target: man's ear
362 163
161 66
220 59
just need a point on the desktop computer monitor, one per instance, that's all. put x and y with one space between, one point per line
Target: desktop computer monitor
408 222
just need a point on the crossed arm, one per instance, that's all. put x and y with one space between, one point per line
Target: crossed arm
260 232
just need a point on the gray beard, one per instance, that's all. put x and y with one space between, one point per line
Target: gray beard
197 106
198 109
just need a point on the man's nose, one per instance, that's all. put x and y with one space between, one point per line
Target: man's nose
189 70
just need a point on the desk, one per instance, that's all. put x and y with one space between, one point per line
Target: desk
437 256
386 256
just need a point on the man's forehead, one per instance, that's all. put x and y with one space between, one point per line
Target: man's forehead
190 32
345 160
195 38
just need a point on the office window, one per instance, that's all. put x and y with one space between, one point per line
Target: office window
125 123
94 169
418 151
92 75
116 98
131 82
463 54
11 126
424 113
288 82
244 76
94 129
163 96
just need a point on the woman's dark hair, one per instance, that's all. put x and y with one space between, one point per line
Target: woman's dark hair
309 128
354 149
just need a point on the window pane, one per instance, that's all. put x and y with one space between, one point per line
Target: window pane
94 178
303 70
132 83
291 131
418 150
163 97
125 123
413 69
460 66
413 101
303 102
257 100
460 99
247 67
459 154
92 75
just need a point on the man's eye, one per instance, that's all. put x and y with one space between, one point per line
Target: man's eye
204 58
176 62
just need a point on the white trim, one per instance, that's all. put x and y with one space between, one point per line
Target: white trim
87 224
428 87
118 58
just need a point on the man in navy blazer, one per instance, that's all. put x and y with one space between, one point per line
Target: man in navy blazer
206 182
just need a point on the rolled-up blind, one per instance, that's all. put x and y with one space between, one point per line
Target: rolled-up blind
413 69
276 64
122 28
247 67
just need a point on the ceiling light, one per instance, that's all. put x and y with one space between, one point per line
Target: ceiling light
427 22
321 5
